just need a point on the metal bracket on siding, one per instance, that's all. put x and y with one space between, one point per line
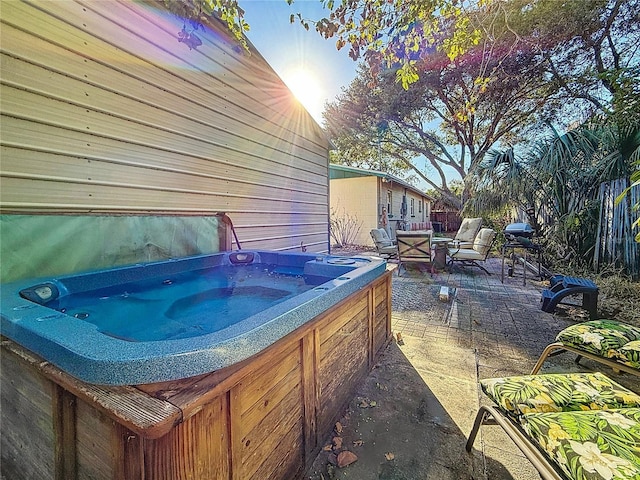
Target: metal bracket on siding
227 221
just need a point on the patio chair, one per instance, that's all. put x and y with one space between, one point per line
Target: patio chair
564 286
384 245
608 342
414 247
546 415
467 232
478 253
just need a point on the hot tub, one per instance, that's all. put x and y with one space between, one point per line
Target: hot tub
198 395
174 319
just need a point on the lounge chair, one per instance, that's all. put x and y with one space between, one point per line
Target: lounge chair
562 422
611 343
478 253
414 247
467 232
384 245
564 286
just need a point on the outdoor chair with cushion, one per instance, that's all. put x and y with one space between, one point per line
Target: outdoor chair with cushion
478 253
384 245
414 247
467 232
611 343
570 426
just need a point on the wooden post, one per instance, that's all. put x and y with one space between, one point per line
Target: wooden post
309 355
129 453
64 428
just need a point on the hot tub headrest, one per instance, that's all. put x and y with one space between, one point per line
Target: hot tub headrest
41 294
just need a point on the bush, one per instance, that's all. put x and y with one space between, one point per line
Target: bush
343 227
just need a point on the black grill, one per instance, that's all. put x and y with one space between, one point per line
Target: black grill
523 230
520 234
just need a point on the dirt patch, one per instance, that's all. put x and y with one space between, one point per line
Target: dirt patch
352 250
398 429
419 303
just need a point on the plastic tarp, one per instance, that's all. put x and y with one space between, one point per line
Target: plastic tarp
34 246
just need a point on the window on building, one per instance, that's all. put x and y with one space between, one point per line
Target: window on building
412 207
420 206
389 201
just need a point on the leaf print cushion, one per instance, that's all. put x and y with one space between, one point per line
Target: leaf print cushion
629 354
600 337
593 445
558 393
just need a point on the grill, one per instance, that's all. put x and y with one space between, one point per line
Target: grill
519 235
514 230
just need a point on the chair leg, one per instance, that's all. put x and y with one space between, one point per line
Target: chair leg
481 417
492 416
473 263
482 268
613 364
545 354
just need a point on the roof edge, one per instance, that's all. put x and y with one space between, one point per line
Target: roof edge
377 173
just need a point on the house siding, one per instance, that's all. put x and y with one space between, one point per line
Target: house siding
358 198
363 197
103 111
398 191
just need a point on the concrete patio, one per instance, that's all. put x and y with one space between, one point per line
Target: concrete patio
411 417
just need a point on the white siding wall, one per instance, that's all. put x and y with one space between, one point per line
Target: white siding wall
359 198
398 191
418 216
104 111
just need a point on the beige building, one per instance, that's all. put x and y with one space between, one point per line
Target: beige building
121 140
367 194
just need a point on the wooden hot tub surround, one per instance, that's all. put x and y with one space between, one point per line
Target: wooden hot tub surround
263 418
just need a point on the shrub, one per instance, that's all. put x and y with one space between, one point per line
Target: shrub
343 227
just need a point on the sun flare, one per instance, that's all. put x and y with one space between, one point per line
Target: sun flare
306 88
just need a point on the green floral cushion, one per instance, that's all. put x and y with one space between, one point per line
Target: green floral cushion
600 337
558 393
599 444
629 354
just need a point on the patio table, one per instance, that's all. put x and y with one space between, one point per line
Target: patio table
439 246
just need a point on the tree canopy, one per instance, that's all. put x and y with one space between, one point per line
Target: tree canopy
389 33
590 48
536 62
193 12
394 33
455 111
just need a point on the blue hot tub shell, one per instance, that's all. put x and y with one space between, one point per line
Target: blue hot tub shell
80 349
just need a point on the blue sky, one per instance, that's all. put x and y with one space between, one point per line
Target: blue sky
290 50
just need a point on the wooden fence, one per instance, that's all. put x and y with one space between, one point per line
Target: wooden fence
615 244
450 221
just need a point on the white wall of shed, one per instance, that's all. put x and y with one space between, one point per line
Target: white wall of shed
103 111
357 197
